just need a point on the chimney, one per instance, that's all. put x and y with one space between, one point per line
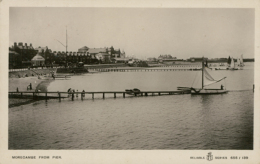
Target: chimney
15 44
31 44
20 43
26 44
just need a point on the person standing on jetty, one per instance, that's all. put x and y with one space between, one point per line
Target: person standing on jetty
83 94
29 87
69 92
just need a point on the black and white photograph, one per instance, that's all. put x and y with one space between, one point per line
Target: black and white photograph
163 79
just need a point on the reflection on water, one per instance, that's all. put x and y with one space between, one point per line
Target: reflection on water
158 122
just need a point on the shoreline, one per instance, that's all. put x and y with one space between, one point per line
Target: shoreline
22 83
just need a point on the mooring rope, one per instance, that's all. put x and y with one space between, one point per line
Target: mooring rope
194 79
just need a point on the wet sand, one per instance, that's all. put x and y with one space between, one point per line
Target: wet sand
22 83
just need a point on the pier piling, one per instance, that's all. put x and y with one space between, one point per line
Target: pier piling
72 97
59 96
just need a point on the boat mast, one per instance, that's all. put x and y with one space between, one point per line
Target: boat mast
66 44
202 72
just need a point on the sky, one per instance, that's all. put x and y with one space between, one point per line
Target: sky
140 32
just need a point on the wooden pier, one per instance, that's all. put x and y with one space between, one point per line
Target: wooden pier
142 70
82 95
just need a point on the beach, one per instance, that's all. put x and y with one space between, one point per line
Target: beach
23 83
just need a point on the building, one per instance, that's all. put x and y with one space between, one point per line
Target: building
38 60
83 49
166 57
46 53
59 57
104 54
103 57
14 60
24 54
195 59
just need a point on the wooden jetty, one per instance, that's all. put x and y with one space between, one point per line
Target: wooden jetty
82 95
142 70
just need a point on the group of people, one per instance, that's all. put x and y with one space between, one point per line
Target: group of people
29 87
52 74
72 91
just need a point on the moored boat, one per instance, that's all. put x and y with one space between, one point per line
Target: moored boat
241 61
232 65
134 91
207 80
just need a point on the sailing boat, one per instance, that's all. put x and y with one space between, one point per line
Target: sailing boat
232 65
241 62
229 61
207 80
238 61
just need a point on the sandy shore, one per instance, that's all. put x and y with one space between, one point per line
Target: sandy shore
22 83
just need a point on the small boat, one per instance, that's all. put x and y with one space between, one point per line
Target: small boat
232 65
241 61
134 91
207 80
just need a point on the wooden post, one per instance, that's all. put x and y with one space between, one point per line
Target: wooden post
142 94
146 94
92 95
59 96
114 95
72 97
21 94
124 95
159 94
103 95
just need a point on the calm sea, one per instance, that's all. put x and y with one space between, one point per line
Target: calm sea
144 123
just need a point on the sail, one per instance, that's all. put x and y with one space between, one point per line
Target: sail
241 60
232 65
238 61
208 79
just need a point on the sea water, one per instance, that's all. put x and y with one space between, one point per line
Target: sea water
143 123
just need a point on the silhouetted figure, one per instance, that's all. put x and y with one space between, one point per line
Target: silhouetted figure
83 93
69 90
17 90
222 87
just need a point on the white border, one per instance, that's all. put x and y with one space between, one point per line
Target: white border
123 156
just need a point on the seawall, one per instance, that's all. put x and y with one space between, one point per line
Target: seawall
31 72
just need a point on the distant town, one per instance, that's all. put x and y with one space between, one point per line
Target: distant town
25 55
